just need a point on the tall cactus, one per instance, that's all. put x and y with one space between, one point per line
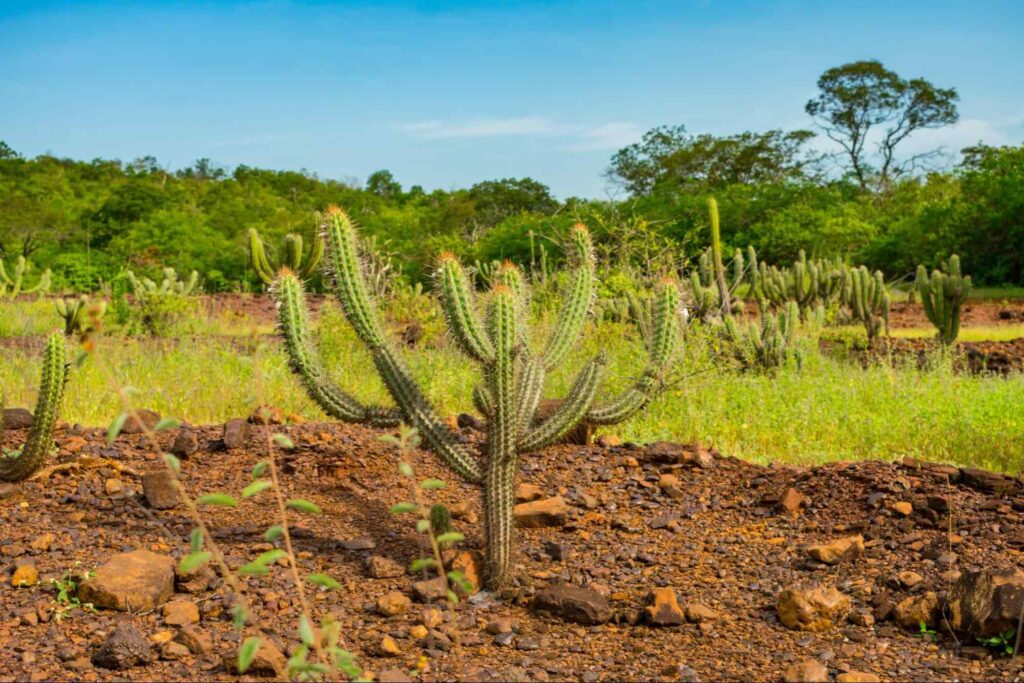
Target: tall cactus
11 287
22 462
724 295
869 301
292 257
492 329
942 295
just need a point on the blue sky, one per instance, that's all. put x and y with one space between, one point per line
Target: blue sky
448 94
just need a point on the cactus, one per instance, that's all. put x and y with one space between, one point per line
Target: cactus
159 305
492 329
942 295
171 284
11 287
22 462
869 301
808 283
293 258
769 344
80 315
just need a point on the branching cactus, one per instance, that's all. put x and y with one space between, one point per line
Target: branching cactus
11 287
22 462
80 314
942 295
145 288
292 256
869 301
493 330
769 344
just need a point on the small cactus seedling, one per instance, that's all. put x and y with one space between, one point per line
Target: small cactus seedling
292 257
769 344
80 314
869 301
942 295
11 287
499 341
22 462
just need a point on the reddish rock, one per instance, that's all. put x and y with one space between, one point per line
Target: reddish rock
541 513
987 603
663 609
159 489
812 608
130 582
572 603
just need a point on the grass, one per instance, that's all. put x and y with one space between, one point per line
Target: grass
974 333
826 409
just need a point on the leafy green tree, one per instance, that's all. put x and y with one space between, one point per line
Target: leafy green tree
496 200
855 98
383 184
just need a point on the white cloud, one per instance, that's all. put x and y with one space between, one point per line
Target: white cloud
576 136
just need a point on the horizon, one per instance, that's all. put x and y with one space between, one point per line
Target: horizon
448 95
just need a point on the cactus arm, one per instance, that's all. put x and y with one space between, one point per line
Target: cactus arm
573 411
460 311
577 299
258 258
529 387
660 349
21 464
501 375
293 252
716 255
316 253
293 324
482 400
349 280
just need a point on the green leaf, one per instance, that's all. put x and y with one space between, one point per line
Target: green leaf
273 533
459 579
452 597
270 556
259 468
256 487
304 506
247 653
324 580
196 540
451 537
239 615
166 423
422 525
422 563
405 469
253 569
222 499
173 463
194 561
390 438
305 630
115 427
402 508
432 484
283 441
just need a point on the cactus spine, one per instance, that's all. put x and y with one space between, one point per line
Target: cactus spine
869 301
492 329
942 295
11 287
293 258
22 462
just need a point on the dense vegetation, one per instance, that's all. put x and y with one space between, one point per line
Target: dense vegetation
92 220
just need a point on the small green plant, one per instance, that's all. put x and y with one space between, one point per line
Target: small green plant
158 306
942 296
81 316
20 463
925 632
11 287
1002 643
433 521
66 588
293 257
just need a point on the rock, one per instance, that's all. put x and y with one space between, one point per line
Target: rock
500 625
986 603
792 500
470 563
42 542
663 609
172 651
812 608
917 609
556 551
195 639
393 603
431 617
268 660
181 613
429 590
393 676
857 677
609 441
573 603
113 486
24 576
135 581
7 490
663 452
159 489
580 435
389 648
467 421
185 443
909 579
526 493
807 671
140 422
902 508
380 567
697 613
988 482
363 543
17 418
124 648
419 632
839 550
669 481
267 415
236 434
541 513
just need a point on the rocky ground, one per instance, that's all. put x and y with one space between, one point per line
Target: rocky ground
661 562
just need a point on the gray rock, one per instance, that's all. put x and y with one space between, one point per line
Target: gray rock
236 434
124 648
159 490
573 603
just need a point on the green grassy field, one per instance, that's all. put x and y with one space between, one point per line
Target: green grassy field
825 409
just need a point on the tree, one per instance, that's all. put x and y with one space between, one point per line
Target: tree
383 184
6 152
496 200
668 158
856 97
